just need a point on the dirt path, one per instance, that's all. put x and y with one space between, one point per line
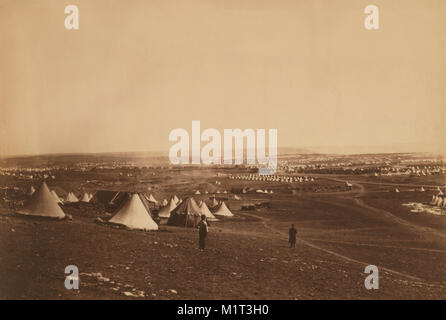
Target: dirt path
379 245
266 224
357 191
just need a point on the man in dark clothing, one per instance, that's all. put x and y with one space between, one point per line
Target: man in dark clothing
202 232
292 236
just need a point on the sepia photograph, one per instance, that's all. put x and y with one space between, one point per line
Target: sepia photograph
222 150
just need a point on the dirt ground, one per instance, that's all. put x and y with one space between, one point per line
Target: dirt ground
247 257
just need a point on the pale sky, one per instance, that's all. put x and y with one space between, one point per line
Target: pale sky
135 70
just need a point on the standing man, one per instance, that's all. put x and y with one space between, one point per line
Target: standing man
292 236
202 232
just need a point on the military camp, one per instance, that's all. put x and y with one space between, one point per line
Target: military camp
139 224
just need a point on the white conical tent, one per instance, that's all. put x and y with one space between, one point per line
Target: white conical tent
197 192
236 197
422 189
152 199
43 203
396 190
205 210
71 197
85 197
222 210
214 203
434 199
175 199
54 194
134 215
167 209
31 191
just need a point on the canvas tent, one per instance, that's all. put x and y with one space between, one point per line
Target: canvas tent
205 210
85 197
43 204
71 197
134 215
167 209
31 191
112 200
214 203
175 198
187 214
152 199
222 210
434 199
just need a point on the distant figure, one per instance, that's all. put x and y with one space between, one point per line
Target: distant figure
292 236
202 232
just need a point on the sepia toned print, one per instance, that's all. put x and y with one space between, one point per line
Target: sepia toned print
222 149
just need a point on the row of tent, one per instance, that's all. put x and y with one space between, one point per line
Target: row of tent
191 207
421 189
70 197
272 178
188 213
206 192
134 213
438 200
87 197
